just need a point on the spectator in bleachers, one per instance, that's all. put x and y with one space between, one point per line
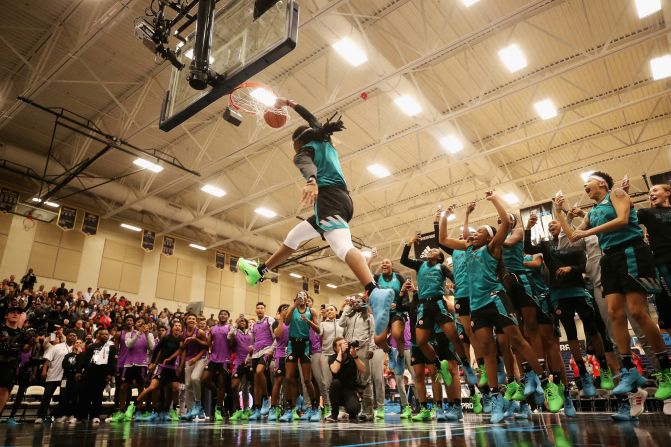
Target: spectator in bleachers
28 281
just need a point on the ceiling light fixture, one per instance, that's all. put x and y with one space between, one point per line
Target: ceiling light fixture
295 275
265 212
350 51
661 67
545 109
452 144
130 227
146 164
213 190
379 170
513 58
197 247
408 105
264 96
469 3
331 286
644 8
511 198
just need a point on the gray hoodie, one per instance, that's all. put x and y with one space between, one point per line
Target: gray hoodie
358 326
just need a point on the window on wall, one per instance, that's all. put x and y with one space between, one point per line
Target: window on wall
174 279
121 267
56 253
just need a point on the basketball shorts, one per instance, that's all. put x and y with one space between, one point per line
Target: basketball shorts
133 373
298 349
333 209
462 306
663 299
243 371
263 360
432 312
397 316
443 347
166 375
7 374
629 269
566 308
280 366
498 314
417 356
216 368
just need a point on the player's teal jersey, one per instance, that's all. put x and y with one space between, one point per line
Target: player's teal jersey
329 172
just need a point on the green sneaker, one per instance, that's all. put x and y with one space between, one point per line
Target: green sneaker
511 389
218 417
250 269
406 412
607 382
379 413
519 393
663 384
423 415
237 416
432 412
562 393
119 416
174 417
295 416
552 397
130 411
477 404
445 373
246 414
327 410
483 377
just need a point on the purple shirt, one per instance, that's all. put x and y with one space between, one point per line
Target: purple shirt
263 336
315 342
242 344
282 342
137 354
192 349
221 351
406 338
123 350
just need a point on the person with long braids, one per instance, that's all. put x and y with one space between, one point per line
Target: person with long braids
628 275
490 306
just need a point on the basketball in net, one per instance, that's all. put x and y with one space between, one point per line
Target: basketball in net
255 98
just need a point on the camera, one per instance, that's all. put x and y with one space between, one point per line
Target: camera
354 344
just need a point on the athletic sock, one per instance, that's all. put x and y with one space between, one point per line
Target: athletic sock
370 287
436 362
501 389
471 389
481 362
290 404
543 379
663 358
456 402
495 394
511 379
262 269
446 404
315 403
526 367
425 405
580 363
627 361
542 363
556 377
486 390
602 361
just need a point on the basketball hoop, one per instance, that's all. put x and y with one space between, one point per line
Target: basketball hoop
255 98
28 222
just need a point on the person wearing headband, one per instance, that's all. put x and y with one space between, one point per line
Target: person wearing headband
628 275
491 308
326 191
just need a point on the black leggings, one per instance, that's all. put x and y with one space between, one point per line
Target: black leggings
346 397
566 308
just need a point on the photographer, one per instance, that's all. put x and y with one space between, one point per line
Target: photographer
344 365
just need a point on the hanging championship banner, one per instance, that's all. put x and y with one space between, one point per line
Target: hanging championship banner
219 259
8 200
315 285
66 218
168 246
148 240
426 242
305 284
276 277
90 224
541 230
233 264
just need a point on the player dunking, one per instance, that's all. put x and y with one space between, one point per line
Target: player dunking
326 190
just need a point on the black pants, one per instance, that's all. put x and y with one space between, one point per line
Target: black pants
23 383
67 405
566 308
49 390
91 389
345 397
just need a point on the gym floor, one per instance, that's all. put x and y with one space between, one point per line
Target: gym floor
541 430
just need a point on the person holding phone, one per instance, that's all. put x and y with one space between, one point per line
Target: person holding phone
345 366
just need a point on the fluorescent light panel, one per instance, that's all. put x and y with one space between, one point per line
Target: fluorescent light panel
451 217
546 109
350 51
295 275
331 286
661 67
146 164
197 247
645 8
469 3
367 253
130 227
511 198
379 170
408 105
213 190
47 203
513 58
452 144
265 212
264 96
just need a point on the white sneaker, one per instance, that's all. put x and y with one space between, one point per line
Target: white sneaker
62 419
667 407
343 416
108 419
72 420
95 421
39 421
637 402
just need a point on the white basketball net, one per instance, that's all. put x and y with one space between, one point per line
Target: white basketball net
256 99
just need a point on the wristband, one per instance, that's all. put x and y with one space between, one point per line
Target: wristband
337 360
312 179
355 357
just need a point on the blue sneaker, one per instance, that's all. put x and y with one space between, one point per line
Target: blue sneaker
256 415
487 403
11 422
307 414
288 416
400 364
539 398
454 413
393 356
380 302
623 413
588 388
500 372
510 407
471 378
532 384
153 417
300 403
274 414
524 412
316 415
440 415
265 408
569 409
497 410
630 380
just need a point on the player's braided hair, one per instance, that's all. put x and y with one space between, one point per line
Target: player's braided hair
305 134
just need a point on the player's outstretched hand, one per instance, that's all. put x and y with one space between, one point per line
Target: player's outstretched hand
310 192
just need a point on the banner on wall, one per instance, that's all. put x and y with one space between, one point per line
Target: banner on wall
276 277
426 242
168 246
219 259
305 284
66 218
540 231
90 224
148 240
315 286
233 264
8 200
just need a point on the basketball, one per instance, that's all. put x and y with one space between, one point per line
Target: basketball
274 119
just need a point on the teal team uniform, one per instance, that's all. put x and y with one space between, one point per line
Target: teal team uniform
298 347
627 264
517 284
395 282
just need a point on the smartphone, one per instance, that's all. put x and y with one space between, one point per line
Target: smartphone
559 193
418 233
441 208
242 315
